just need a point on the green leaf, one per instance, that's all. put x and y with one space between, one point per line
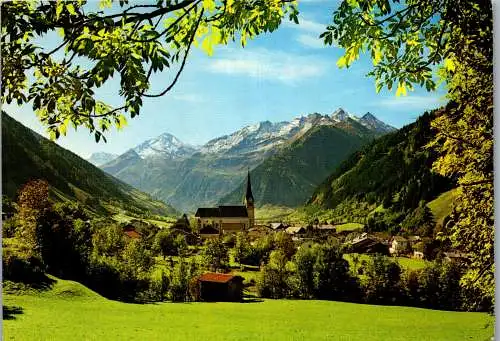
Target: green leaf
59 8
209 5
71 9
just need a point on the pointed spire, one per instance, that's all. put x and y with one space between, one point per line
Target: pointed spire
249 195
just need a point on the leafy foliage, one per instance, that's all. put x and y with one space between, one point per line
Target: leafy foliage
132 41
405 41
215 254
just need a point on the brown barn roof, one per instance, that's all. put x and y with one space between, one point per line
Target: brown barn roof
215 277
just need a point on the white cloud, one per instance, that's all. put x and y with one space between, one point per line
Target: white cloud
311 26
272 65
187 97
310 31
414 102
310 41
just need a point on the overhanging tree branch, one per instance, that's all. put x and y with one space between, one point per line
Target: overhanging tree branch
176 78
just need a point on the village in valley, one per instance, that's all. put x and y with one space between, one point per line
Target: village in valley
227 223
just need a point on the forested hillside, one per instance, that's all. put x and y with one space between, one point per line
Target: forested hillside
393 172
289 177
27 155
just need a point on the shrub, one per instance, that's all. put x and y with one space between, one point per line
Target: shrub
158 285
274 277
181 282
332 278
381 284
305 261
283 241
19 268
215 254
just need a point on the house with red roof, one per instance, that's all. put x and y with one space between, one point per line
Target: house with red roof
220 287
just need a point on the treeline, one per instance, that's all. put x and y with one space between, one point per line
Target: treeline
394 170
61 240
320 271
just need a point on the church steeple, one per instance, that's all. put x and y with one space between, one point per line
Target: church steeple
249 202
249 195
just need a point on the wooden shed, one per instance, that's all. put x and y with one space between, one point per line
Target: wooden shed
220 287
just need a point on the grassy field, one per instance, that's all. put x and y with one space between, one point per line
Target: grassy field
442 205
408 263
270 213
69 311
348 227
124 218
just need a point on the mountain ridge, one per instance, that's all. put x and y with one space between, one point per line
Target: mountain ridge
207 173
27 155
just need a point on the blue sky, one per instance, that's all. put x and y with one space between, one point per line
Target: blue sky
276 77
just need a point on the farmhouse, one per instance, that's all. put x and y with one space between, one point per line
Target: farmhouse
399 245
220 287
296 230
368 244
229 219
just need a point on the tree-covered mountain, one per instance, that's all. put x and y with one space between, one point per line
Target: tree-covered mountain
27 155
393 172
289 177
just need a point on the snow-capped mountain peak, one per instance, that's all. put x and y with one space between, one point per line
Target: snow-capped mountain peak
165 145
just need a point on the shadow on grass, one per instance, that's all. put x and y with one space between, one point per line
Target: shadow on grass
10 312
42 283
17 286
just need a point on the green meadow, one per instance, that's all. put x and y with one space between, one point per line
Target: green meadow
70 311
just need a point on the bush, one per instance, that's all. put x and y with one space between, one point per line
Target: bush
215 254
332 277
182 280
382 281
9 228
274 277
305 261
18 268
230 240
158 285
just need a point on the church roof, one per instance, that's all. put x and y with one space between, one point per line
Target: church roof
204 212
222 212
